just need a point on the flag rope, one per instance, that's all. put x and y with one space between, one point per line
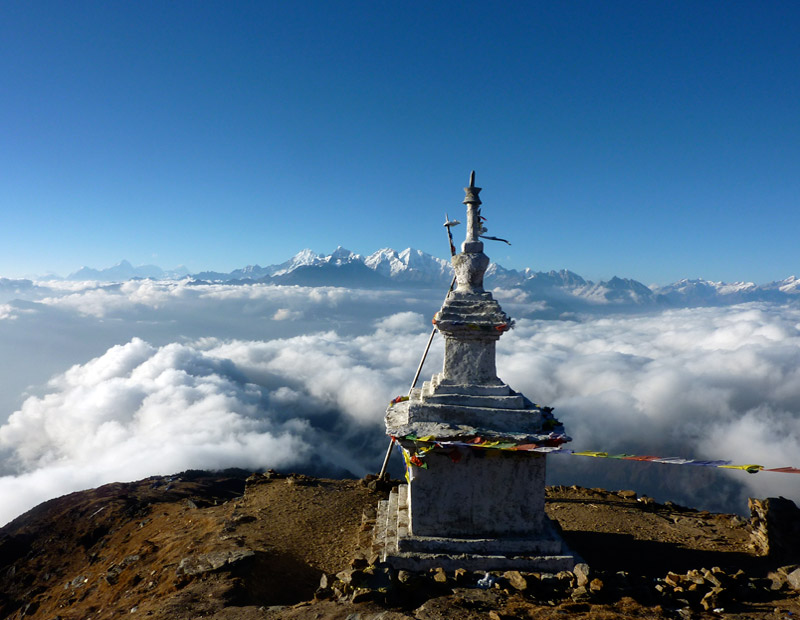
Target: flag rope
424 445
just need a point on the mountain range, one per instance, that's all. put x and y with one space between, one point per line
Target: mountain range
388 268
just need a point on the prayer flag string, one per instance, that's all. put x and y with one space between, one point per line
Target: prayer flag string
424 445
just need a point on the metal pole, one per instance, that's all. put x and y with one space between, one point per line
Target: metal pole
447 224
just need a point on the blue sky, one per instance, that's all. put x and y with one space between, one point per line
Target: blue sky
647 140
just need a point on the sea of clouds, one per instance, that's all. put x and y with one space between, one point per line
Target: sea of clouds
118 382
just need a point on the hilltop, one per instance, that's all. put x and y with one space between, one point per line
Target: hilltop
290 546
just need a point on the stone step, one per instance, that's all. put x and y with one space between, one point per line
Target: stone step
427 561
469 317
452 302
522 422
444 386
488 402
379 529
402 513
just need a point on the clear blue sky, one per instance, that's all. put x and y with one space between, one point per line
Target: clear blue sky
641 139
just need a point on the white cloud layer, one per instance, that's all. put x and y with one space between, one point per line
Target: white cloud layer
292 377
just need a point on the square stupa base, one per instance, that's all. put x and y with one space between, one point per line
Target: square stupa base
477 493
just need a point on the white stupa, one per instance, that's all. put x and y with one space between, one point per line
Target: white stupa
475 492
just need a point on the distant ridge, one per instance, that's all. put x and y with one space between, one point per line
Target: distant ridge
388 268
123 270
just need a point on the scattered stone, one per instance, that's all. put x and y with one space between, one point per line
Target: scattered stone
209 562
793 579
461 576
596 585
516 580
673 579
362 595
627 494
582 572
648 503
439 576
405 577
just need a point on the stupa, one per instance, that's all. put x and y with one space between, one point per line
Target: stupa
474 448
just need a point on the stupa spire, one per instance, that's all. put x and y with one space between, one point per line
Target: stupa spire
473 244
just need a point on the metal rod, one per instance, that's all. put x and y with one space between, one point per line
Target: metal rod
414 382
447 225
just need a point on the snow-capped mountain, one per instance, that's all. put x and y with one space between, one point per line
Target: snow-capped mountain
409 266
388 268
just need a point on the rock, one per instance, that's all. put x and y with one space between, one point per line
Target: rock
566 577
582 572
627 494
775 527
362 595
439 576
793 579
673 579
209 562
346 576
711 600
406 577
777 580
596 585
695 576
516 580
711 577
461 576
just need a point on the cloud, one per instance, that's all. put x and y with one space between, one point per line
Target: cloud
720 383
151 377
140 410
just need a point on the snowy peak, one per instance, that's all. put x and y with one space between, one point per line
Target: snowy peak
408 265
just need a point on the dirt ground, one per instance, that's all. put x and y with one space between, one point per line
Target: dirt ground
200 545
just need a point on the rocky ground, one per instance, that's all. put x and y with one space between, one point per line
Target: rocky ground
218 546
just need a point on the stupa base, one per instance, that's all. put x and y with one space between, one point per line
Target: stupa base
394 546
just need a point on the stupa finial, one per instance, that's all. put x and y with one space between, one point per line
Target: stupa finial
472 192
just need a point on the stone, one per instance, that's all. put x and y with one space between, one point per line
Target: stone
673 579
711 577
793 579
516 580
627 494
596 585
439 576
209 562
775 527
461 576
582 573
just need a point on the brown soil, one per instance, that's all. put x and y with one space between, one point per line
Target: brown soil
199 545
